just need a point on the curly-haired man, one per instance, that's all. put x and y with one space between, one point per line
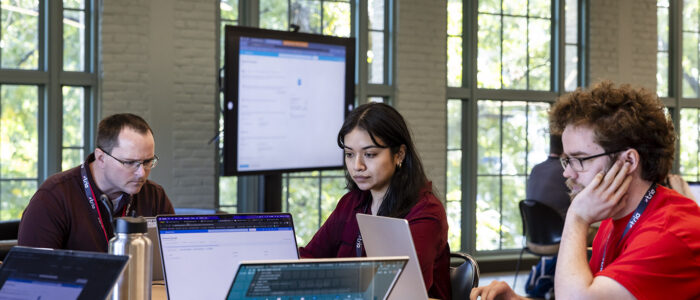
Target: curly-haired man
618 145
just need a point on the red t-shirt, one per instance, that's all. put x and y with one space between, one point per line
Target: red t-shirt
659 258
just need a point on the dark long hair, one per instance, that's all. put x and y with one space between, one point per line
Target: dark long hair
383 123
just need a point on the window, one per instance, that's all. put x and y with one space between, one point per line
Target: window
312 196
514 45
47 90
678 34
690 144
495 135
662 48
228 185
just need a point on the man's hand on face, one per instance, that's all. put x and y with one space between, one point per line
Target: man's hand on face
497 290
604 197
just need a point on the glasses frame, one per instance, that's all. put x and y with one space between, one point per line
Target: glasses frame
566 161
135 164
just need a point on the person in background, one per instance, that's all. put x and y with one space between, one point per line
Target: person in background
618 146
74 209
546 183
385 177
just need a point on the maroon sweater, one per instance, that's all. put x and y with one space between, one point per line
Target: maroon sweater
428 223
59 215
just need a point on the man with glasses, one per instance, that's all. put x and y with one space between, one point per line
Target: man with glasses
618 146
74 209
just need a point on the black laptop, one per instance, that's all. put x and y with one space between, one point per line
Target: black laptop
40 273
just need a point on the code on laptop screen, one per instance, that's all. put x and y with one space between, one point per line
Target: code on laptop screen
319 280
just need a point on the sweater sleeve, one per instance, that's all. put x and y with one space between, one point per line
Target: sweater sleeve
43 223
426 240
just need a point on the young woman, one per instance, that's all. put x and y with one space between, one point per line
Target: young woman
385 177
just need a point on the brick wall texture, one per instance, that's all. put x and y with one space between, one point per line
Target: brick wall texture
622 42
158 61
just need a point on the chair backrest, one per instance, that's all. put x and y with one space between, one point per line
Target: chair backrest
9 230
542 227
463 277
8 236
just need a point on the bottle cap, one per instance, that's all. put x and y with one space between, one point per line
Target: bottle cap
131 225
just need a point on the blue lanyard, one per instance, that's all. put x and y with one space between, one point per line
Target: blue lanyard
633 220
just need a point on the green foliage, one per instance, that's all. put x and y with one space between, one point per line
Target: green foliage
228 191
273 14
18 148
229 10
336 18
689 145
511 135
19 28
73 40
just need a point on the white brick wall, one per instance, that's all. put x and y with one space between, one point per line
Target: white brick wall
158 61
622 42
421 81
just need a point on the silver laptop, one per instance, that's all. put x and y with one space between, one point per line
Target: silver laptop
157 260
40 273
331 278
201 253
385 236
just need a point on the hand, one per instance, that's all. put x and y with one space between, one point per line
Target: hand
604 196
497 290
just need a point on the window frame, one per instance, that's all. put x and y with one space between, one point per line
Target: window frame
470 94
50 78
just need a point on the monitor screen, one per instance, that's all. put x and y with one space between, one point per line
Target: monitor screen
286 95
201 253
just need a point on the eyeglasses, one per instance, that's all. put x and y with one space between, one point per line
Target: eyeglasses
134 164
578 162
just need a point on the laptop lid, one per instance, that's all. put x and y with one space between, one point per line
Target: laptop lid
40 273
157 260
201 253
385 236
332 278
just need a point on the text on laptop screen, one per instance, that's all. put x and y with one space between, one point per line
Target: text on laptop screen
319 280
201 253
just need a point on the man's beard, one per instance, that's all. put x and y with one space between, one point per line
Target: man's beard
570 183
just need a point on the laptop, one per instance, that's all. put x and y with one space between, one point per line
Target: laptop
332 278
201 253
384 236
40 273
157 260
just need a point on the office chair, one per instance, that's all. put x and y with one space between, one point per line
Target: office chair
464 276
8 236
542 228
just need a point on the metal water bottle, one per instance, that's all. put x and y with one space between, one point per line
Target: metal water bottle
130 239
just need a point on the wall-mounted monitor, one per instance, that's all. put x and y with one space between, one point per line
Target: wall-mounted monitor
286 95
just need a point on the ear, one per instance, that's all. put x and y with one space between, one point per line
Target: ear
400 156
631 156
99 157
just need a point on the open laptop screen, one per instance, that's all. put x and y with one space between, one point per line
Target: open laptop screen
33 273
346 278
201 252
